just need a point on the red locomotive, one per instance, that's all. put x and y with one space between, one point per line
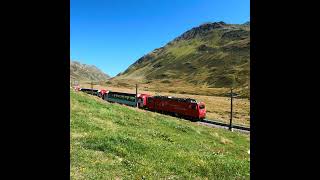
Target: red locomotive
181 107
77 88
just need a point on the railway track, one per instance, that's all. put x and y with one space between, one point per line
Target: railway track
219 124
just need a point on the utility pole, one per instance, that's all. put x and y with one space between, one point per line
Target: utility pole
230 125
137 95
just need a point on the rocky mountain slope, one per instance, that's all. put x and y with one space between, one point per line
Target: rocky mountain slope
83 72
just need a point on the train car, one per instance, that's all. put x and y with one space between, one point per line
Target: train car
182 107
122 98
90 91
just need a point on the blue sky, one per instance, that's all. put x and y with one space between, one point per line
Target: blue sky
113 34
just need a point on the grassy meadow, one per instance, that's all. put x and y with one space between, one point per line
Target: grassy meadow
111 141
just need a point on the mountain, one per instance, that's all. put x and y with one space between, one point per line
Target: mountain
215 55
84 72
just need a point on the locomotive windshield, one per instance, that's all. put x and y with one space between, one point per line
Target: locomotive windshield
201 106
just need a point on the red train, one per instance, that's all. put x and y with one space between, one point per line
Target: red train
181 107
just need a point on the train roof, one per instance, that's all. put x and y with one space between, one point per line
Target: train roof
176 99
122 93
87 89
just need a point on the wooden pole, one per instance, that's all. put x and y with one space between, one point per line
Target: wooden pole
91 88
136 95
230 125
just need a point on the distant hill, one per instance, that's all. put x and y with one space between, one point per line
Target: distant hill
212 54
83 72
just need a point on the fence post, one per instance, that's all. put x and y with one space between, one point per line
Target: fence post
230 125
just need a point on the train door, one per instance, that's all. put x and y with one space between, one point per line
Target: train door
150 103
140 102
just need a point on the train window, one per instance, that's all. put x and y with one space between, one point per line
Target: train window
123 97
149 100
194 106
201 106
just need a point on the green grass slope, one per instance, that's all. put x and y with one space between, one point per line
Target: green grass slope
110 141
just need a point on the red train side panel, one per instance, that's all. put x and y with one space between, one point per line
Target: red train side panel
178 106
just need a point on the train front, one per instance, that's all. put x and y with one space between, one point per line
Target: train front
202 110
142 100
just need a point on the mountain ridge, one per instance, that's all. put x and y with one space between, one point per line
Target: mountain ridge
84 72
213 54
